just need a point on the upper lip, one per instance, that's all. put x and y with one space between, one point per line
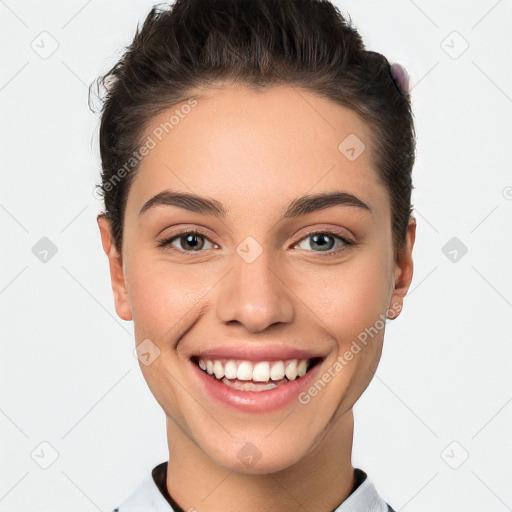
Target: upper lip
258 353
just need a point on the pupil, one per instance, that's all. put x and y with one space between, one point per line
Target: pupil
318 239
191 241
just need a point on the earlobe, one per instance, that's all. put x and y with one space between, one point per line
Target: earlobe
115 263
404 267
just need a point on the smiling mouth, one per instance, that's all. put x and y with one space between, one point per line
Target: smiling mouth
256 375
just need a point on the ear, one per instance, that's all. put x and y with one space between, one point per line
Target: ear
403 271
122 305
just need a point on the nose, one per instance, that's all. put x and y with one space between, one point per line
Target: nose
254 295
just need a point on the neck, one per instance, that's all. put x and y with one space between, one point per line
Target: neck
320 481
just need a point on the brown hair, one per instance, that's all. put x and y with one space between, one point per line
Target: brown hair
196 44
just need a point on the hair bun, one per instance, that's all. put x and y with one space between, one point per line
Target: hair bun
400 78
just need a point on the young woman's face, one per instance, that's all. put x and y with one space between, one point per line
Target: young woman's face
275 275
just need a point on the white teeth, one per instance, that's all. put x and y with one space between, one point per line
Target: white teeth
230 370
249 386
302 368
277 371
244 371
262 371
291 370
218 369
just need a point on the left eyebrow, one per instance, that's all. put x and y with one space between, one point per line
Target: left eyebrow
300 206
312 203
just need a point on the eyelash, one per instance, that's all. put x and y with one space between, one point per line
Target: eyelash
168 241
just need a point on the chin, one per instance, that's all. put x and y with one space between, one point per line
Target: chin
258 454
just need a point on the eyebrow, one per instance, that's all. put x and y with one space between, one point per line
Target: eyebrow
300 206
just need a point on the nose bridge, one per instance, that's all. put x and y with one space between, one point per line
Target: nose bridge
252 294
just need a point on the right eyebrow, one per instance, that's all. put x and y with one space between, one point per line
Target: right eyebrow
191 202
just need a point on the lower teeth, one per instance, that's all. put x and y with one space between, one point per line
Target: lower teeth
248 385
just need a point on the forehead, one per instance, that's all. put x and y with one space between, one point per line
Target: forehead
266 145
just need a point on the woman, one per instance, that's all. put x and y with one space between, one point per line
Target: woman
256 173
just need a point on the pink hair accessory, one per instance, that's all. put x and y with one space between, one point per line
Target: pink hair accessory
400 78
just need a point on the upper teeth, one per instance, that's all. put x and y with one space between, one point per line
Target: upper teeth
262 371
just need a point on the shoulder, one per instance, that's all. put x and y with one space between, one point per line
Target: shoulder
364 497
146 497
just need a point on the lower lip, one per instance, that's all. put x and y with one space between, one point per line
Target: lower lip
256 401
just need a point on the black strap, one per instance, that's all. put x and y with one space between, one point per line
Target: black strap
160 476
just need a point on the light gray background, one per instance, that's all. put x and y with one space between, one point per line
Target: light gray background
69 378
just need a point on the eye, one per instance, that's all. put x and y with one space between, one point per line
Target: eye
188 241
195 241
325 242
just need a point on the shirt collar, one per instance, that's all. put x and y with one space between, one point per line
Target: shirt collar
364 499
147 498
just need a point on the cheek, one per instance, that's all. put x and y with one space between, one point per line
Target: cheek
163 298
351 297
353 301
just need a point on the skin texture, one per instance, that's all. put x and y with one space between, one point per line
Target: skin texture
255 152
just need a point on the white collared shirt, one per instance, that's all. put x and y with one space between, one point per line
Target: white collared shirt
147 498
